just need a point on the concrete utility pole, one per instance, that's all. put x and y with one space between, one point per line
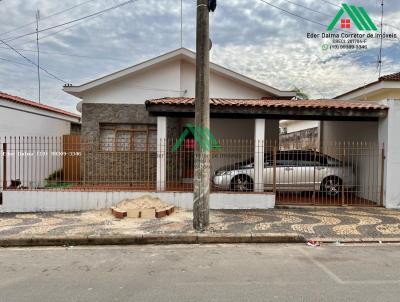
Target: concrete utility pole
201 186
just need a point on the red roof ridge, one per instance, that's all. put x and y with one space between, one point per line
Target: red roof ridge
19 100
390 77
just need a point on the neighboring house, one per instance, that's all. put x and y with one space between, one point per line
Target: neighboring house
299 134
22 117
386 87
35 130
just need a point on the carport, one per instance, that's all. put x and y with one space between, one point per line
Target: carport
350 133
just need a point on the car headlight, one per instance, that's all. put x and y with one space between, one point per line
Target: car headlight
220 173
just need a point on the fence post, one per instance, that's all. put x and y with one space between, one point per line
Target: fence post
382 184
274 173
343 167
4 166
314 163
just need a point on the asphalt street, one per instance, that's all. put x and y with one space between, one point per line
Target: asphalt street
231 273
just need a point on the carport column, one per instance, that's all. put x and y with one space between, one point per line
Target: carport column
389 136
259 137
161 152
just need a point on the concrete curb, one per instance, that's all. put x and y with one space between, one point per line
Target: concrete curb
358 240
141 239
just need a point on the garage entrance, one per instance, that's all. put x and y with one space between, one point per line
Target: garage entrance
343 173
344 167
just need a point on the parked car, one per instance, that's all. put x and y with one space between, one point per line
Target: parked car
296 170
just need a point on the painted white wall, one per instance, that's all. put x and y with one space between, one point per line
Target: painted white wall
389 136
365 160
172 78
237 137
161 153
220 86
23 123
384 90
294 125
47 201
15 122
340 131
259 149
161 80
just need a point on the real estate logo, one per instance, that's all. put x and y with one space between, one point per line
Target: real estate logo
351 29
202 135
358 15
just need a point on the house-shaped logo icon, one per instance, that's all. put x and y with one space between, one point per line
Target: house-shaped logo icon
202 136
358 15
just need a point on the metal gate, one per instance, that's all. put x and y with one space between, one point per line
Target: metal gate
343 173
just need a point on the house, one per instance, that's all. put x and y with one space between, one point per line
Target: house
113 108
386 87
22 117
131 144
28 133
120 97
131 119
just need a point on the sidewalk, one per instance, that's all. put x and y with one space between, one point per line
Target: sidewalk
344 224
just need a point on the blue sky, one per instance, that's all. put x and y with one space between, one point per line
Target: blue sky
248 36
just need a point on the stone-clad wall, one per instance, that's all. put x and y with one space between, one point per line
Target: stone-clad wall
103 167
95 114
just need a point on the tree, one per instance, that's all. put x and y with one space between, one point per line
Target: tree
300 94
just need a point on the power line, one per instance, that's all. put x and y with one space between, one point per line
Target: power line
22 64
136 86
33 63
65 54
326 1
16 62
49 35
47 17
293 14
306 7
75 20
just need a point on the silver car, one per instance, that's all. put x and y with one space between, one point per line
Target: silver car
296 170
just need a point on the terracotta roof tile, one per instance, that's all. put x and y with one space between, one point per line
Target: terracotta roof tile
316 104
391 77
19 100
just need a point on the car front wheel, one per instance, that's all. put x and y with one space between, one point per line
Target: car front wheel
332 186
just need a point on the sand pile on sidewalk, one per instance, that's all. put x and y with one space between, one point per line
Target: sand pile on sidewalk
143 202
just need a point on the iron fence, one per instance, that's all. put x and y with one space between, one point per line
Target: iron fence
342 173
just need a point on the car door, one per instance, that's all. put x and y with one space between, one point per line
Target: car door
285 167
304 171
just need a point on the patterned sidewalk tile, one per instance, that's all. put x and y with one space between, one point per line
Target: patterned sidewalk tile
311 222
